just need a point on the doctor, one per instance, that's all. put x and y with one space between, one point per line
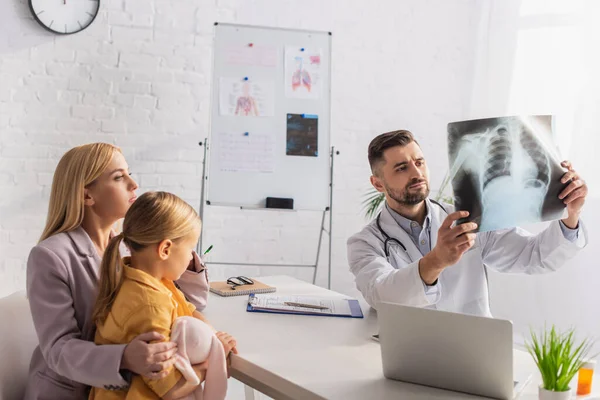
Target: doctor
414 254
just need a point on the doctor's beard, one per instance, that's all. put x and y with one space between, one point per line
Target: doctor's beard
406 196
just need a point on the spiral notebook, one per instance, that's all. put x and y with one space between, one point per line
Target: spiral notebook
224 289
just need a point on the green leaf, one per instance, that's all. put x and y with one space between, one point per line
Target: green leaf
372 203
558 356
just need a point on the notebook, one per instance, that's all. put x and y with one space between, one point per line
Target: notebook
224 289
333 307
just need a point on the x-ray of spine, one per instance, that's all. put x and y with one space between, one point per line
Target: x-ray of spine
505 171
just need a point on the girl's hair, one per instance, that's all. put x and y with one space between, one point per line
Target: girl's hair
153 217
78 168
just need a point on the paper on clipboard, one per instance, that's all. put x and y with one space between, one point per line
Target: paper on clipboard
335 306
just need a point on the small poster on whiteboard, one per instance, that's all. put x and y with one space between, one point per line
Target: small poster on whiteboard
302 135
250 54
246 152
246 98
302 72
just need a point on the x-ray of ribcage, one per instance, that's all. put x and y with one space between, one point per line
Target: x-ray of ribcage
505 171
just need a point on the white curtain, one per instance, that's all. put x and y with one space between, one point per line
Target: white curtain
543 57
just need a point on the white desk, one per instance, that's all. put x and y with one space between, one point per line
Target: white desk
310 357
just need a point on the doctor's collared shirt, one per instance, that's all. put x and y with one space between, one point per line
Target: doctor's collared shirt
421 237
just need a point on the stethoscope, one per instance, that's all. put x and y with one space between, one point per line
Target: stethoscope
388 240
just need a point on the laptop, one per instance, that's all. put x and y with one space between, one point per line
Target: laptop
458 352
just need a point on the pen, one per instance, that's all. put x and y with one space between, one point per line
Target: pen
291 303
209 249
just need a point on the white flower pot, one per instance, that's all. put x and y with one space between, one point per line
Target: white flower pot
550 395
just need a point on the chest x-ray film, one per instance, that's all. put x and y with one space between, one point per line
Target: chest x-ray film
505 171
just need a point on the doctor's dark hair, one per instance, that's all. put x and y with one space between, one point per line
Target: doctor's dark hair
152 218
386 141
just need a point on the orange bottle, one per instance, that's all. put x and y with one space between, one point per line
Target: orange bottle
584 380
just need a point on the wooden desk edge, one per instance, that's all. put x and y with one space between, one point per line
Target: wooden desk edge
267 382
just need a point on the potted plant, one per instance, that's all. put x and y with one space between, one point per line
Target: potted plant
558 358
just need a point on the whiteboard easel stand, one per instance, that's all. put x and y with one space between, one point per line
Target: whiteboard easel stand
332 155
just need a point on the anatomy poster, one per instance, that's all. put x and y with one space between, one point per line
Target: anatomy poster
505 171
246 98
302 135
302 72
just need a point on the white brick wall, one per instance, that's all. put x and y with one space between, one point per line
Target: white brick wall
139 77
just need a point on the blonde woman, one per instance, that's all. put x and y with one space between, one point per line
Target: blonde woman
91 190
138 294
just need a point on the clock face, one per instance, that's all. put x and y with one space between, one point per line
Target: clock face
65 16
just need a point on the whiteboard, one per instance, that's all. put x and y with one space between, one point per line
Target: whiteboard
270 72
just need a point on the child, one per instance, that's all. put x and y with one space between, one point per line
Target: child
137 293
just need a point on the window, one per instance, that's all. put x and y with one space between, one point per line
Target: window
556 71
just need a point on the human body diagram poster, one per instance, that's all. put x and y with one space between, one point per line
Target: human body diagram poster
505 171
246 98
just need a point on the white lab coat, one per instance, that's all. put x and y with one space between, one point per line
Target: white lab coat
463 287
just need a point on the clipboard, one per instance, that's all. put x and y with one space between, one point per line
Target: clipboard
272 304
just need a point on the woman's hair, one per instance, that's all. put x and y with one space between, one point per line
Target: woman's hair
153 217
78 168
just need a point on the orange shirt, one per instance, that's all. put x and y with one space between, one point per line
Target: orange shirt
143 304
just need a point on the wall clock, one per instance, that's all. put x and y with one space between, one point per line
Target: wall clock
64 16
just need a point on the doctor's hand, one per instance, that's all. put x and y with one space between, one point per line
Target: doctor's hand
452 243
573 195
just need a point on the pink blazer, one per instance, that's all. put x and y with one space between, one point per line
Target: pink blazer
62 279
